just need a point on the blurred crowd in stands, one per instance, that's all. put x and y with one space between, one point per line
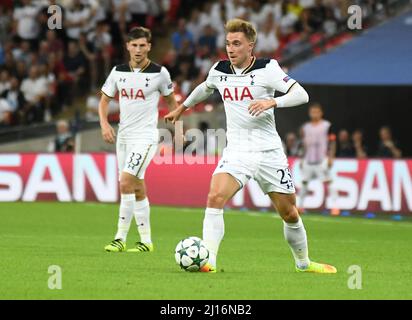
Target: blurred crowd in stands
42 71
285 27
349 145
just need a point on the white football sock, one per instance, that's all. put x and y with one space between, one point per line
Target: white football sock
295 235
125 215
142 216
213 231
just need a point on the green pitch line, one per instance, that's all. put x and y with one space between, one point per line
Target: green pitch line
254 261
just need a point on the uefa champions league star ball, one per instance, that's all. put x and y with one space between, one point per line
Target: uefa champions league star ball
191 254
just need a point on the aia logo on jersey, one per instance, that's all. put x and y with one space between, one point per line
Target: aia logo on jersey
132 94
237 94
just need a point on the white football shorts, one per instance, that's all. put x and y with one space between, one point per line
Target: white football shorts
134 158
269 168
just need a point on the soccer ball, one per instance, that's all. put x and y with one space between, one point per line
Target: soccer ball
191 254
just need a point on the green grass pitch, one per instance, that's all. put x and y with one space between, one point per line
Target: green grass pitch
254 262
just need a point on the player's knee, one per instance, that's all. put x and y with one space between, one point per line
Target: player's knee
290 214
126 187
140 192
216 199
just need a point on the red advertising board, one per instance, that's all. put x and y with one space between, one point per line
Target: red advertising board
363 185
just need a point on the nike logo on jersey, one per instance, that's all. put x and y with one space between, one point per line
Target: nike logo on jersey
237 94
132 94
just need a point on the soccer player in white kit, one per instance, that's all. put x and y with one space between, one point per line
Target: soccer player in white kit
254 149
139 84
319 151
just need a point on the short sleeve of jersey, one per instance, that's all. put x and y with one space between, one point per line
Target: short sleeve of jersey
109 88
277 78
209 80
166 84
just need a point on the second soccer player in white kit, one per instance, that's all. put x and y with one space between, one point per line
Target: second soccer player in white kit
139 85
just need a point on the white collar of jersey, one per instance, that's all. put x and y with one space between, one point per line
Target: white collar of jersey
139 69
238 70
243 70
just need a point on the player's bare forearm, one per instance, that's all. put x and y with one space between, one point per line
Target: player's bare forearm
108 133
171 101
103 108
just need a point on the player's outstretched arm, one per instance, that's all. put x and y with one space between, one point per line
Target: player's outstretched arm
296 96
175 114
108 133
200 93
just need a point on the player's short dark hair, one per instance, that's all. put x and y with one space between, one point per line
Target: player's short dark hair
139 32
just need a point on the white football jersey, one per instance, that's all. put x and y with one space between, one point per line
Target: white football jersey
258 81
139 92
